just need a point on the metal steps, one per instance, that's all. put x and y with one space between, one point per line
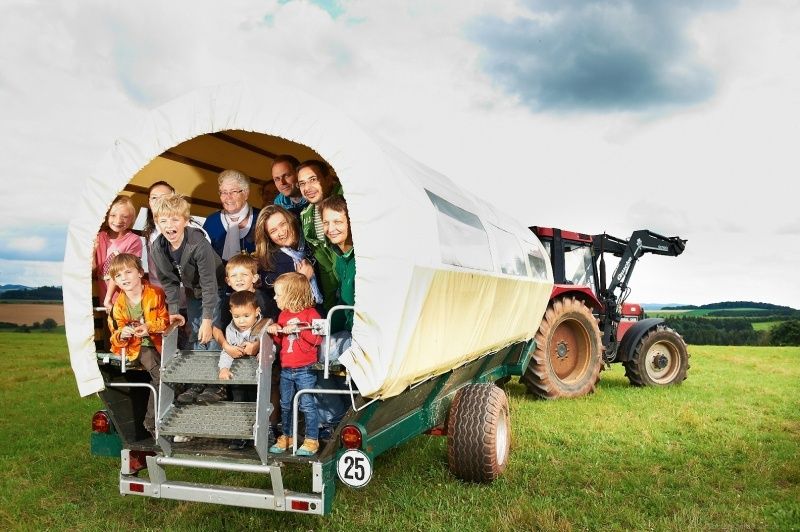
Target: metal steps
201 367
220 420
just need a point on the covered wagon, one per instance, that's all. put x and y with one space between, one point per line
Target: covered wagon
449 293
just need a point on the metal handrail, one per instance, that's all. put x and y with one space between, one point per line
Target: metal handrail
141 385
327 349
296 406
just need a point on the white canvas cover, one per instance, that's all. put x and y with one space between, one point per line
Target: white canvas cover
441 277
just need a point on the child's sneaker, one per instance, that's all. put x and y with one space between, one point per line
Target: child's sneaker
282 445
189 395
212 394
309 447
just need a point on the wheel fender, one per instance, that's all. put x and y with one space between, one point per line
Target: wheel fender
634 335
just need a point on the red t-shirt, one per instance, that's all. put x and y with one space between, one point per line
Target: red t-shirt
300 349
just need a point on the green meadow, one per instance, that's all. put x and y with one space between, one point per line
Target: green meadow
721 452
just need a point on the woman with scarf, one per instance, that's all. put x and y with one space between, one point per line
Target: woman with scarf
280 248
232 230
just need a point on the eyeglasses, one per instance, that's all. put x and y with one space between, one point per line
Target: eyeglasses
223 193
310 181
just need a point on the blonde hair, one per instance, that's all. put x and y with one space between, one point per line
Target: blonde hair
123 261
242 260
297 291
171 204
122 200
265 247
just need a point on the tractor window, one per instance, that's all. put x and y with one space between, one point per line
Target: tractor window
578 266
463 238
510 256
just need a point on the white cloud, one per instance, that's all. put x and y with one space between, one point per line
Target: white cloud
74 76
30 273
28 244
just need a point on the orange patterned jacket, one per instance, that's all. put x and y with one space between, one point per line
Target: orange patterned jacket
156 317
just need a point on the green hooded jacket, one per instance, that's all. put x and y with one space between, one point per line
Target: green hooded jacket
323 253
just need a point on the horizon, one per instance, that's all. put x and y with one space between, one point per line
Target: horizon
652 305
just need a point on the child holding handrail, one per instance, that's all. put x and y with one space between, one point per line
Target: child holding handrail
298 348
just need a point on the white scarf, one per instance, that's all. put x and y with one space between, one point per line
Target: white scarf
232 238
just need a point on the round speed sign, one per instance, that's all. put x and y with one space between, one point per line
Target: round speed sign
354 468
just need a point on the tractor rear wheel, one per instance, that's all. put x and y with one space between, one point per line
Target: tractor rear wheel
478 433
568 356
659 359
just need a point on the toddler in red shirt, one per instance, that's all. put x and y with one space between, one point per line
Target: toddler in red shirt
297 347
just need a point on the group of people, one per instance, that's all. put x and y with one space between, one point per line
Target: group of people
279 267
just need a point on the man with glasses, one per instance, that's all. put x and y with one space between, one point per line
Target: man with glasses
316 184
284 175
232 230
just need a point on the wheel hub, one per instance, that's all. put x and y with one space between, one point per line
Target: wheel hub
562 350
660 361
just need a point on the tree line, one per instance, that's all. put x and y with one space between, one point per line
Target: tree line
734 331
42 293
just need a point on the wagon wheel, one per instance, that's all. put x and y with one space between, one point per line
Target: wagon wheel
478 433
567 360
660 359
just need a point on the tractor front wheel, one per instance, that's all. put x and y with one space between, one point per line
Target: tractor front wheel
659 359
568 356
478 433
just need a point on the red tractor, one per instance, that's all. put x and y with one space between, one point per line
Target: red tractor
588 323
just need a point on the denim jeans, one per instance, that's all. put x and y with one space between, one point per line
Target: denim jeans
332 408
293 380
194 317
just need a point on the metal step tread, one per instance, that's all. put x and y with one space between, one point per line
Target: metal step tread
201 367
218 448
220 420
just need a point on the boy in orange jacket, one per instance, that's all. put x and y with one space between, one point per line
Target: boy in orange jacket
139 318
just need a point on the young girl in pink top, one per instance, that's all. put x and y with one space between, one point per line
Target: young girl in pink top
115 237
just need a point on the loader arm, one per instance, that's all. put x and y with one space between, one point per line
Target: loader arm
613 294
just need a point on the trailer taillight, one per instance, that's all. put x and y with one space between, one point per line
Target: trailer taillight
101 422
351 437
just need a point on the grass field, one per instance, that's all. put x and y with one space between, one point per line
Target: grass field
702 312
765 325
28 313
720 452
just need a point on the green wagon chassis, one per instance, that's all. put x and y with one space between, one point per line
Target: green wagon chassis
384 424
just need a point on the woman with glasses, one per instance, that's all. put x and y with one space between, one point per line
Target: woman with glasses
232 230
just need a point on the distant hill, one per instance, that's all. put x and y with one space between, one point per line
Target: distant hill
48 293
660 306
726 305
7 287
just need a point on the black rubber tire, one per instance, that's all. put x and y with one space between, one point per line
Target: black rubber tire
568 356
659 359
478 433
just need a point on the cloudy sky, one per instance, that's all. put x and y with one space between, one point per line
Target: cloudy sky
681 117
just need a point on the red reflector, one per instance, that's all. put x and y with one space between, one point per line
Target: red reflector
351 437
300 505
138 488
100 422
437 431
